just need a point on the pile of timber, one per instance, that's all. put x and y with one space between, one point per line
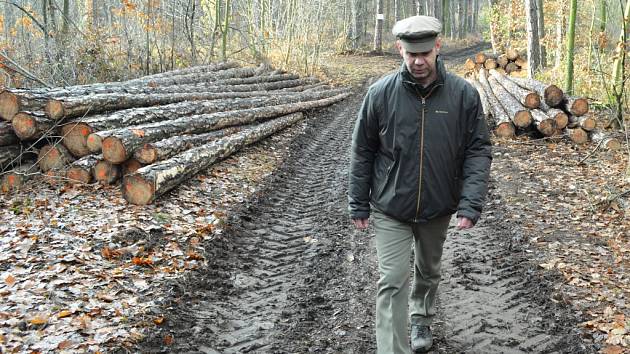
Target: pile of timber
514 105
151 133
508 62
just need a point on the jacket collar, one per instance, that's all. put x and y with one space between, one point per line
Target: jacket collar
411 83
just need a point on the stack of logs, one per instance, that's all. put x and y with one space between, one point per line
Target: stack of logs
151 133
509 62
513 105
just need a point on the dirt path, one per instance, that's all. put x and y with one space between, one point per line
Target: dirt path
291 276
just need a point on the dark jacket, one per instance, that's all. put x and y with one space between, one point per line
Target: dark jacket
420 153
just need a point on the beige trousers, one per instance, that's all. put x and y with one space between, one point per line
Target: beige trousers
394 306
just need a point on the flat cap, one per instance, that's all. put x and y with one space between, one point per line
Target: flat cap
417 34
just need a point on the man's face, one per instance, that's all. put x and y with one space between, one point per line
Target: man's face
421 65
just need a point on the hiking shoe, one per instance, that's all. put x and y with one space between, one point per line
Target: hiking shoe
421 338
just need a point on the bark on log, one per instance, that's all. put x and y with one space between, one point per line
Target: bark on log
9 155
480 58
577 106
33 125
587 122
130 166
521 117
53 157
608 141
561 118
106 172
14 101
544 124
15 179
552 94
82 170
7 136
164 149
101 126
201 69
512 54
577 135
529 99
504 126
151 181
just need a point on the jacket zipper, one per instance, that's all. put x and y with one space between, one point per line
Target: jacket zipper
424 101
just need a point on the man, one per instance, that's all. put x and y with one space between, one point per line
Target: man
420 152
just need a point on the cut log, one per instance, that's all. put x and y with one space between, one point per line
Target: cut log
510 68
561 118
15 179
53 157
587 122
529 99
521 117
7 136
544 124
151 181
33 125
469 65
164 149
121 144
201 69
106 172
608 141
502 61
14 101
552 94
512 54
577 106
130 166
490 64
102 126
521 63
577 135
9 155
504 126
480 58
82 170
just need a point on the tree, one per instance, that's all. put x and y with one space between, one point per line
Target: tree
541 32
568 82
618 73
378 28
533 44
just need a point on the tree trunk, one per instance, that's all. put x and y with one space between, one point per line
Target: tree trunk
553 95
529 99
32 125
504 126
121 144
533 44
15 179
7 136
378 28
164 149
568 83
560 27
149 182
521 117
53 157
540 15
494 20
98 126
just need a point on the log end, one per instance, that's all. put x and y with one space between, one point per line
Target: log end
562 120
588 123
114 150
106 172
547 127
94 143
49 158
505 130
75 137
532 100
9 105
522 119
579 107
54 109
612 144
553 95
137 190
480 58
11 182
131 166
578 135
146 154
24 126
79 175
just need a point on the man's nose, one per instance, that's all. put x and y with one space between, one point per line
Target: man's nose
419 60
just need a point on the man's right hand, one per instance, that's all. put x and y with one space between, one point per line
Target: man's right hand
360 224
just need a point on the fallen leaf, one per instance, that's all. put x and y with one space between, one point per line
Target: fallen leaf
64 314
613 349
64 345
158 321
10 280
168 339
39 320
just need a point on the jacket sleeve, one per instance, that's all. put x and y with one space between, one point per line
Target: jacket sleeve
365 142
476 166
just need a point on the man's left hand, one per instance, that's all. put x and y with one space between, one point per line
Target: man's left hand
464 223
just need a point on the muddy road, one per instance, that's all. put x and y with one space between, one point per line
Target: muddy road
290 274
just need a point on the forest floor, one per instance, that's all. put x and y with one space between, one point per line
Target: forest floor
258 255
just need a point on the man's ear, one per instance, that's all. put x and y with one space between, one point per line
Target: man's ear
399 47
438 45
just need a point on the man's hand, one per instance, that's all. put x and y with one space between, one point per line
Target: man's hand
464 223
360 224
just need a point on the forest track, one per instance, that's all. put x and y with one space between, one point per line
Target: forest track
290 274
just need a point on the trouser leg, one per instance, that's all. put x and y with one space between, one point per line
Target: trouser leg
428 243
393 246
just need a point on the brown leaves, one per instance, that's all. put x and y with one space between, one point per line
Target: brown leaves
10 280
142 261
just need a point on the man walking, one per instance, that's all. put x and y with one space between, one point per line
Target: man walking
420 152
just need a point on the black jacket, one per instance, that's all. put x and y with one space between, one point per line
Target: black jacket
420 153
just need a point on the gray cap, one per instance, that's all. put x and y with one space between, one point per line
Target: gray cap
417 34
